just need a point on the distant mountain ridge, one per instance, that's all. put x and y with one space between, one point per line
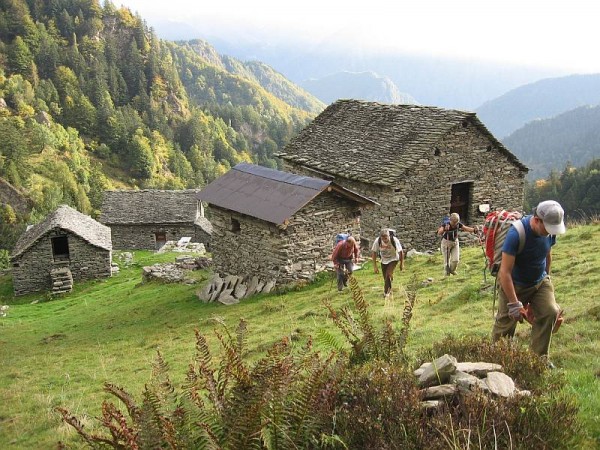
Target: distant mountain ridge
540 100
260 73
432 79
357 85
545 145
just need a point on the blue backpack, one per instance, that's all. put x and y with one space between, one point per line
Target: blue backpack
341 237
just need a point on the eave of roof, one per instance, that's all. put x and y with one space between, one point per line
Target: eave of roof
65 218
268 194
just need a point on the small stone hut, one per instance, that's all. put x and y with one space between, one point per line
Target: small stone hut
277 226
418 162
147 219
65 242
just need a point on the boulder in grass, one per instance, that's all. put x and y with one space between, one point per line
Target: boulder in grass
439 371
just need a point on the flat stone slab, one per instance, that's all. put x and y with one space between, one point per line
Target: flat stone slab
437 392
500 384
439 371
479 369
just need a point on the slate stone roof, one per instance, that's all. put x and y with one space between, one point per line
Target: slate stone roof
69 219
149 206
268 194
353 139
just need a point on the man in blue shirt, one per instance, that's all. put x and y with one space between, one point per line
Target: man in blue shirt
524 277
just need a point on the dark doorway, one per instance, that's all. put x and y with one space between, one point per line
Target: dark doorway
60 248
460 200
160 238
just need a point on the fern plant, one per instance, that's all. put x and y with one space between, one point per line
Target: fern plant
284 400
366 341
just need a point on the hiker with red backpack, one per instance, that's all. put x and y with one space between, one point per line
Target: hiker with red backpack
450 246
389 249
524 277
344 256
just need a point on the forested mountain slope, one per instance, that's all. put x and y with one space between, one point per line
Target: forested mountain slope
546 145
540 100
92 99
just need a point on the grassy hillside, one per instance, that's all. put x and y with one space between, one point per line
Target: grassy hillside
59 352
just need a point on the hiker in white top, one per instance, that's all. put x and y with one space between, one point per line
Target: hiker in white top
450 246
389 249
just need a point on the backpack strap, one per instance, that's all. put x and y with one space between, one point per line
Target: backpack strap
521 230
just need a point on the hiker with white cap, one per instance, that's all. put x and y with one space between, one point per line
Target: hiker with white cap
524 277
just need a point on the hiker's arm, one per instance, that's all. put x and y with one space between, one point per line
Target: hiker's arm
469 229
374 257
334 255
440 231
548 261
356 253
401 253
505 277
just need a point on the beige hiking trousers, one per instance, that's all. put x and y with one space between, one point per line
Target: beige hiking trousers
545 310
451 254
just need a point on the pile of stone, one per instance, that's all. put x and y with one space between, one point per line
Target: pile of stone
231 289
166 273
175 272
62 280
183 246
3 310
445 377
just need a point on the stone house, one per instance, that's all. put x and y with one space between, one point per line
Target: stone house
147 219
277 226
418 162
66 242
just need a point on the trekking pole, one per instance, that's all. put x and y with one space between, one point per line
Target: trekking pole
480 239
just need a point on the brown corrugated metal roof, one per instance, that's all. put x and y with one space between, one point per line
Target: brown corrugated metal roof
268 194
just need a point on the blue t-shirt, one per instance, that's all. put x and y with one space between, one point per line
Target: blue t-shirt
530 264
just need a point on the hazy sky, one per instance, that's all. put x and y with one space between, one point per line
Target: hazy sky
549 33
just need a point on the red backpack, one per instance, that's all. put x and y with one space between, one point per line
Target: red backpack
495 228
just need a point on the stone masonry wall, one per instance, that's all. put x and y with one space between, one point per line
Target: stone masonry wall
284 255
141 237
33 271
417 204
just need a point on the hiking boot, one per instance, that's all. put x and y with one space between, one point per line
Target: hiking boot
386 297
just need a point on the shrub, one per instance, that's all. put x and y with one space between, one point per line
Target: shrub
378 408
283 401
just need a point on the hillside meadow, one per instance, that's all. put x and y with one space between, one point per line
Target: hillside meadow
60 351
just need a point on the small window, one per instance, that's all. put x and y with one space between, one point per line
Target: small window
465 124
489 148
60 248
437 152
235 225
16 264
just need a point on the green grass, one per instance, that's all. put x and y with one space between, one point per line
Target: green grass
59 352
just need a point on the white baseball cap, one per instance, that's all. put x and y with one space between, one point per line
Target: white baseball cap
552 215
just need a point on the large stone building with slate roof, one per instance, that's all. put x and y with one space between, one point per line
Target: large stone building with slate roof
277 226
147 219
67 240
419 163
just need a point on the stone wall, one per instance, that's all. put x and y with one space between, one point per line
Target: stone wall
141 237
416 205
284 254
31 271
